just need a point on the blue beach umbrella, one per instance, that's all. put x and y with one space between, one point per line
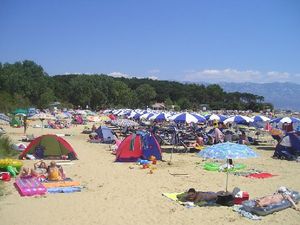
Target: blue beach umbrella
201 119
159 117
227 151
4 117
146 115
286 120
184 118
260 118
215 117
238 119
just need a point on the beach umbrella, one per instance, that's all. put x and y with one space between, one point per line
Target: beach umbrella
107 111
184 118
200 118
42 116
286 120
238 119
159 117
64 115
215 117
146 115
137 116
260 118
19 112
227 151
124 123
133 114
4 118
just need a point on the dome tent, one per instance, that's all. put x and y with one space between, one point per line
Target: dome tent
52 147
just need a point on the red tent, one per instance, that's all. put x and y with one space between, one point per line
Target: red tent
137 146
130 149
49 145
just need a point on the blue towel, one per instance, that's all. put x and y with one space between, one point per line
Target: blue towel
64 189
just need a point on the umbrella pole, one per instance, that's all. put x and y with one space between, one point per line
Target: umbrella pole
227 176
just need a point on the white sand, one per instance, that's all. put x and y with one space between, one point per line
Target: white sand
116 194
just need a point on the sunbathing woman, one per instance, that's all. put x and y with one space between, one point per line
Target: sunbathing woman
55 173
41 166
282 194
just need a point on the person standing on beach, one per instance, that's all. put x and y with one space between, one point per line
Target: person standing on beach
25 123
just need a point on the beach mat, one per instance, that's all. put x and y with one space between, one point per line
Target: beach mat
173 196
261 175
61 184
63 189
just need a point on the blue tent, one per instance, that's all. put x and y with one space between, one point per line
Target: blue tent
150 146
105 134
289 147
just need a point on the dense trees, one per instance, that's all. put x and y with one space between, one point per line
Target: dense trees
24 84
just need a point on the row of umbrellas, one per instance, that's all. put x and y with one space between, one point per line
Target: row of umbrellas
195 118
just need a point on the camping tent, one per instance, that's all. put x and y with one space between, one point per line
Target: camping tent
51 145
140 145
289 147
105 134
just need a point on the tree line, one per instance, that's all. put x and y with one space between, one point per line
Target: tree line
26 84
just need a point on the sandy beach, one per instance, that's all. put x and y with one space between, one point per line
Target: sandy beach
113 193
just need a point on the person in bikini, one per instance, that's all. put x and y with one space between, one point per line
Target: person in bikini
282 194
55 172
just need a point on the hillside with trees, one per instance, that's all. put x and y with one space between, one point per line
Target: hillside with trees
26 84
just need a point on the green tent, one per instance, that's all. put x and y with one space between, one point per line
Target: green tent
52 145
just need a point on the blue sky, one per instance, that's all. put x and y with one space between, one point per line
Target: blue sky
205 41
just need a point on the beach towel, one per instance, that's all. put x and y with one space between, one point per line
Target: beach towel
240 209
61 184
260 175
174 197
63 189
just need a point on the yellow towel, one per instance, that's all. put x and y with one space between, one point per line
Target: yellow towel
173 196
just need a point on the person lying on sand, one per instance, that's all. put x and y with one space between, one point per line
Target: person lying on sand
198 196
282 194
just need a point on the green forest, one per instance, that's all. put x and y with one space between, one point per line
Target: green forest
26 84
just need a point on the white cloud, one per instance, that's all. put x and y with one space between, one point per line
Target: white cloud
153 78
234 75
153 71
75 73
119 74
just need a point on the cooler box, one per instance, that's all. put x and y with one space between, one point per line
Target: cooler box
240 197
